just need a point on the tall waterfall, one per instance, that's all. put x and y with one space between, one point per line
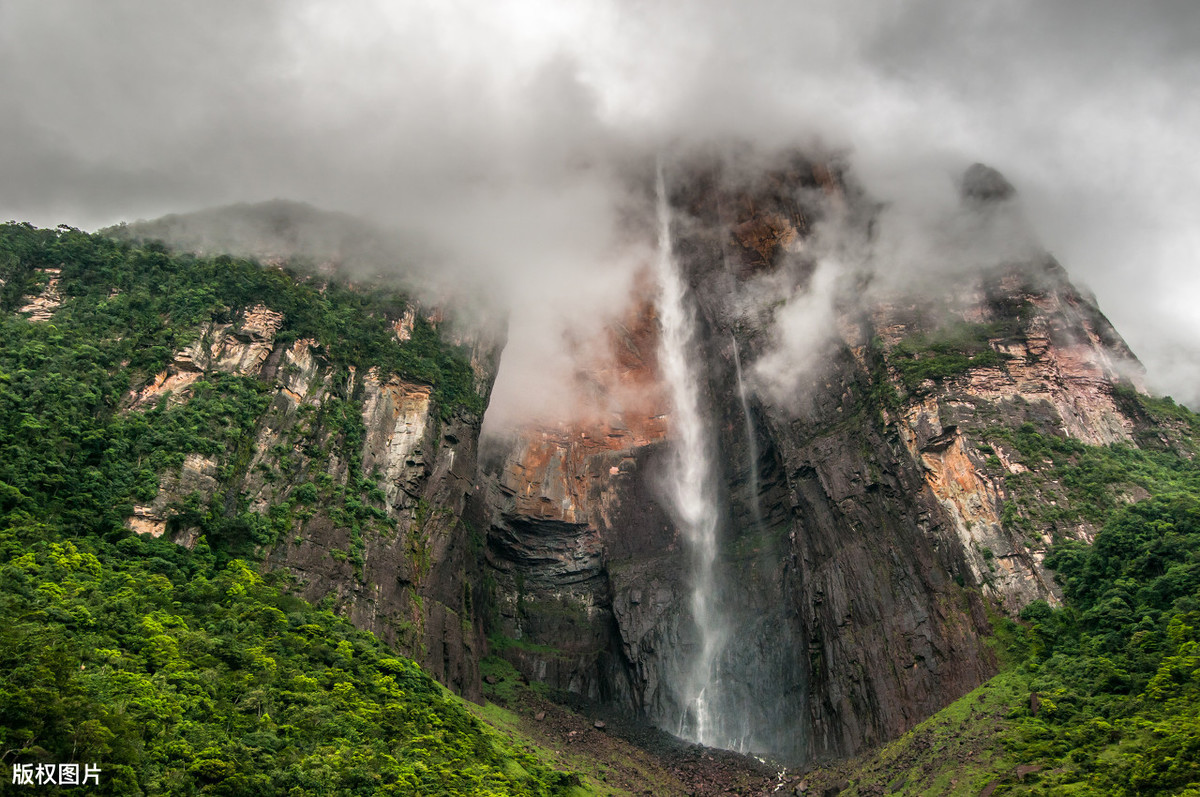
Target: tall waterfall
728 673
692 488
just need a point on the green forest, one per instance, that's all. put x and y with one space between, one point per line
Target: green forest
1117 668
187 672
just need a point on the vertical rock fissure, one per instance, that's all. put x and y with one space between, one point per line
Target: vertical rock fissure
751 440
692 491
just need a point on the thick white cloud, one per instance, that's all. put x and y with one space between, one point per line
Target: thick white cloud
500 129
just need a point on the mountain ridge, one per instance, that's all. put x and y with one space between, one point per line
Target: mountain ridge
886 499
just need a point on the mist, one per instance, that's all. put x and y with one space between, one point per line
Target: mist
503 135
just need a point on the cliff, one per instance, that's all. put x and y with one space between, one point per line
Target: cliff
883 455
343 432
327 431
873 513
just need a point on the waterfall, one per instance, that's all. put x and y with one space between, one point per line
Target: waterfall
751 440
692 488
731 674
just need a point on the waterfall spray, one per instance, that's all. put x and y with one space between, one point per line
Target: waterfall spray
691 481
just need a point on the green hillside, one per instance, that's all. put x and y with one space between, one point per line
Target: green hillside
188 672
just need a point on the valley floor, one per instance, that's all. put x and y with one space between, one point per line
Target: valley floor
614 755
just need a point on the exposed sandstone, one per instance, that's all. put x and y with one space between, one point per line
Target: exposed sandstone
41 307
862 537
241 348
404 324
1060 370
198 474
559 501
406 571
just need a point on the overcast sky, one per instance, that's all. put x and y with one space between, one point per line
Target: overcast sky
502 125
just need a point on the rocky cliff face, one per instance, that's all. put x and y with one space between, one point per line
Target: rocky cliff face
1060 367
555 497
401 561
867 516
875 501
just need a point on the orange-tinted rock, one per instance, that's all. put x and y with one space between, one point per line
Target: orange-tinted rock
240 348
42 307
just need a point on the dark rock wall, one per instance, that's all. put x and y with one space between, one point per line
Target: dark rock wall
850 570
855 576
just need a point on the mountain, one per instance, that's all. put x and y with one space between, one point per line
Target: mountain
870 516
141 394
309 241
273 230
810 497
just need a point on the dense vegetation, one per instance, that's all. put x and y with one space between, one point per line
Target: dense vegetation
143 304
65 444
182 672
1118 670
178 676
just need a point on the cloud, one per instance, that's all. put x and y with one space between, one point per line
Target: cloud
804 327
504 133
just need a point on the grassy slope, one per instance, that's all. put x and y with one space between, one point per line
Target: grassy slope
958 751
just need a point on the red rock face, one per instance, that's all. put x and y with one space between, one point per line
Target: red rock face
1060 365
770 215
553 472
559 502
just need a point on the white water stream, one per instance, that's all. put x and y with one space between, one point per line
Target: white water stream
693 492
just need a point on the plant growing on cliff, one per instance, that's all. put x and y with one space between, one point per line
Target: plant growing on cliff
1090 482
949 351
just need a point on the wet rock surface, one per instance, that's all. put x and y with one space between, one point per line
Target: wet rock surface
863 531
863 526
